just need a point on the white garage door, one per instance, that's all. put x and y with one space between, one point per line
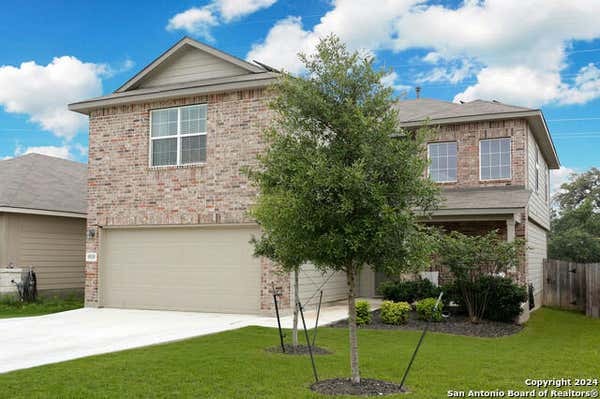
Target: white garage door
195 269
311 281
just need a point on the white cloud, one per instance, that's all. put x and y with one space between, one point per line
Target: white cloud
497 41
283 43
558 177
234 9
391 80
43 92
196 21
200 20
454 73
53 151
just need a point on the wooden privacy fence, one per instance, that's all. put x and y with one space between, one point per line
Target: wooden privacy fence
570 285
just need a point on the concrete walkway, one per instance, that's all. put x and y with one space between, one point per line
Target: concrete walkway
34 341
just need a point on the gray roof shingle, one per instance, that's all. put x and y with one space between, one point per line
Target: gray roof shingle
41 182
424 108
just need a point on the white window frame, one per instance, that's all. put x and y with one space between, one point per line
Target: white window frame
509 159
177 136
429 159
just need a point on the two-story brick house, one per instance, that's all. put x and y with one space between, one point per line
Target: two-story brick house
167 222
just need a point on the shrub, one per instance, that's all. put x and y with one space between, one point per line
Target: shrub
503 297
394 312
408 291
469 258
425 309
363 313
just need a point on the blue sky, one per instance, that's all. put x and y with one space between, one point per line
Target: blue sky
538 53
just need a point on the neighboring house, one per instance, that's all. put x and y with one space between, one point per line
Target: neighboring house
42 220
167 210
493 162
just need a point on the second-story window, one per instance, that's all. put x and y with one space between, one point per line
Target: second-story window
178 136
494 159
442 157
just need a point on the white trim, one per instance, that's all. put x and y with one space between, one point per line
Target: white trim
177 136
509 159
537 168
43 212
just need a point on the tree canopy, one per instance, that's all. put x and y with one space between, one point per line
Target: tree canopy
575 226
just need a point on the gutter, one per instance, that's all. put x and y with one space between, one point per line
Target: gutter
43 212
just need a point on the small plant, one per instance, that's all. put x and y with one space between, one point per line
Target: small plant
395 313
425 309
408 291
363 313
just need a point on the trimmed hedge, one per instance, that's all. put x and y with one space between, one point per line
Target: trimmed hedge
363 313
425 309
408 291
395 313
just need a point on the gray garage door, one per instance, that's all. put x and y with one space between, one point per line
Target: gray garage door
195 269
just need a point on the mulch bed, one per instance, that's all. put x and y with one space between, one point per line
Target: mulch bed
367 387
457 324
300 350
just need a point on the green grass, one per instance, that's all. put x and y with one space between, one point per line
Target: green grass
235 365
12 307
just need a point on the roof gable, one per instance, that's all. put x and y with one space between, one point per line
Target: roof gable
189 61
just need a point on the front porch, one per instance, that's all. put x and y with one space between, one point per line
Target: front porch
508 225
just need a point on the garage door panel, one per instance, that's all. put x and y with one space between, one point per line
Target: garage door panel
201 269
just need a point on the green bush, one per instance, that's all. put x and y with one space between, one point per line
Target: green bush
408 291
363 313
395 313
425 309
503 297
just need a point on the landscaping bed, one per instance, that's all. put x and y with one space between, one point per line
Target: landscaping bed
366 387
456 323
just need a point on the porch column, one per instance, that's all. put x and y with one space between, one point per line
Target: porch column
510 229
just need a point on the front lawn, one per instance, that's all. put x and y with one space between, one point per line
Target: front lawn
234 364
10 307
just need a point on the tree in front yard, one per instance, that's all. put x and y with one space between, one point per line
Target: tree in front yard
340 182
471 259
575 227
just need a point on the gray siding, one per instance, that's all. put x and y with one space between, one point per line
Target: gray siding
536 253
53 246
189 65
311 279
3 241
539 208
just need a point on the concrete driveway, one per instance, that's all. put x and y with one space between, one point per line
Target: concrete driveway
34 341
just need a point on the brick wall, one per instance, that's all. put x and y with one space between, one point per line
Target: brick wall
468 135
123 190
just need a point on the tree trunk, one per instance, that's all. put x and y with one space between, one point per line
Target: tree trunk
351 277
296 304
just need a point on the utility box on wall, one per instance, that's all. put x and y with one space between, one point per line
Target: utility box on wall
8 278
